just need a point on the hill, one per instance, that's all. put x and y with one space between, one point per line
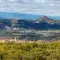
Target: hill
42 23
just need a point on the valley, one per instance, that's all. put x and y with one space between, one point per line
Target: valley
32 35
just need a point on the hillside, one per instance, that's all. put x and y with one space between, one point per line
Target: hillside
42 23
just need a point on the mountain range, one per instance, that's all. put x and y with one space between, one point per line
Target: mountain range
28 22
43 23
15 15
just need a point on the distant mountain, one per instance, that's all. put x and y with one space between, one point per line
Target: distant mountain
47 20
15 15
28 21
43 23
44 19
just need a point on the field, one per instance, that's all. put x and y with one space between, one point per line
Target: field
30 50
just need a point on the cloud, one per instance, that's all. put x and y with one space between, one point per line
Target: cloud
45 7
40 1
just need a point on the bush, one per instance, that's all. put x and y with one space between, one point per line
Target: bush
30 51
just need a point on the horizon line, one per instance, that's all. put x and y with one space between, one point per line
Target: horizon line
29 13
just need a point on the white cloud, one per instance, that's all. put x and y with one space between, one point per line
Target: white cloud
46 7
40 1
11 0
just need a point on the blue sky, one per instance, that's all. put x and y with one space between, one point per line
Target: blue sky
38 7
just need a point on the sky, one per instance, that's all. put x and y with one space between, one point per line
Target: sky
38 7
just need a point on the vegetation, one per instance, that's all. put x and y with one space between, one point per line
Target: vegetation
30 51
